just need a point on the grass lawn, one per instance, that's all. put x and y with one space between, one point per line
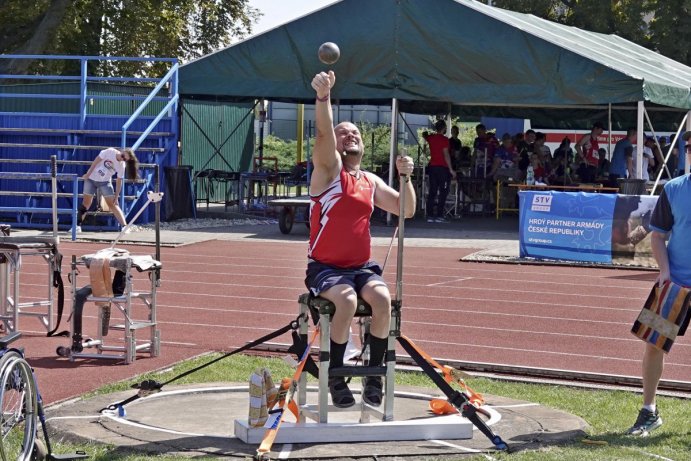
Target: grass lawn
609 414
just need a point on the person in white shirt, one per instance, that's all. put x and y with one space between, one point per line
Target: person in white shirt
109 162
648 160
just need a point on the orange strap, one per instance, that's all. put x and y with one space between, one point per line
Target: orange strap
291 384
451 375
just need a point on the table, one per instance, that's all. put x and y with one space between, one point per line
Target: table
501 185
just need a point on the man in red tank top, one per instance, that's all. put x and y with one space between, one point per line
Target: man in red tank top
339 268
587 149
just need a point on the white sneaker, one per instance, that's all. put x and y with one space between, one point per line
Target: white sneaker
127 230
78 229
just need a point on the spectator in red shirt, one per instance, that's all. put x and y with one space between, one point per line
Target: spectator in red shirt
440 172
587 152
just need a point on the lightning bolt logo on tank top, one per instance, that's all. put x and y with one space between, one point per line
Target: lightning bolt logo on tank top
340 221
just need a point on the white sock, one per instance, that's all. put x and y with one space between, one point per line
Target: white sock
650 408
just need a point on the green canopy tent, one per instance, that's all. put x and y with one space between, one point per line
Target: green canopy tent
441 56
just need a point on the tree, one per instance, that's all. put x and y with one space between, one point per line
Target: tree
660 25
185 29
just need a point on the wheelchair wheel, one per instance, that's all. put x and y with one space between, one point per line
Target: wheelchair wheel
286 218
19 408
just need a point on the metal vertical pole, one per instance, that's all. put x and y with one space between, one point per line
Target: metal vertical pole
639 140
54 192
609 131
687 163
394 148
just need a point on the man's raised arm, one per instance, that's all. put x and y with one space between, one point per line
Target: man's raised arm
326 160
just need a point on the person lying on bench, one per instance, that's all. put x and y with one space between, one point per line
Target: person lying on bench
119 285
339 268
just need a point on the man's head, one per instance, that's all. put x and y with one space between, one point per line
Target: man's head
540 138
530 136
631 133
454 131
598 128
440 126
480 129
348 139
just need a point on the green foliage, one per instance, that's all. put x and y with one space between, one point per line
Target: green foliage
185 29
660 25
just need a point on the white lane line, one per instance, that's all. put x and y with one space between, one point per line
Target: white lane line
177 343
516 349
449 281
517 405
462 448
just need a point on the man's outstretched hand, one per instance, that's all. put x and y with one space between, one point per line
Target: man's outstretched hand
322 83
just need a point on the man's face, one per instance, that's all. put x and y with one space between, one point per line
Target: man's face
348 139
530 138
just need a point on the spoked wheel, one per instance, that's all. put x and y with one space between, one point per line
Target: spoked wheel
18 408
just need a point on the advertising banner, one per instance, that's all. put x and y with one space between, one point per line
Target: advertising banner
588 227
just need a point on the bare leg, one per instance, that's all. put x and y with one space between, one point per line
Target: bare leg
115 208
377 295
345 300
653 363
86 204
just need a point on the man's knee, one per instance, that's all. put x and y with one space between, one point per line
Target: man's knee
378 297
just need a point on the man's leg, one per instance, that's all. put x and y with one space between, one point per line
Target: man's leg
344 299
653 363
432 193
649 418
377 295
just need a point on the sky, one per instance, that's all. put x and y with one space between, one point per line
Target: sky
277 12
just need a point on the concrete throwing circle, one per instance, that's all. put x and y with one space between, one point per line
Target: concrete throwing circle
199 419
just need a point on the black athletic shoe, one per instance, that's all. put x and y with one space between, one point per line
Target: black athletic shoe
340 394
372 391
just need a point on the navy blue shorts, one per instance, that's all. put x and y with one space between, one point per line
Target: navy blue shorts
320 277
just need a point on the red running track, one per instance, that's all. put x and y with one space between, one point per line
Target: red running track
218 295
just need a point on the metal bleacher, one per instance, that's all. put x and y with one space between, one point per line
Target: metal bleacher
74 117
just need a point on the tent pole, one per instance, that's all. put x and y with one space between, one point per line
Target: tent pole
609 131
672 145
394 149
687 164
300 136
639 140
657 143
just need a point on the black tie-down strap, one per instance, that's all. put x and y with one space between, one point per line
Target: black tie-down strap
151 386
458 399
59 284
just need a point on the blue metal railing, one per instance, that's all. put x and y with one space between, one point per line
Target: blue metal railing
144 124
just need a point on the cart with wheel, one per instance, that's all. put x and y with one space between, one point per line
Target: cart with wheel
292 210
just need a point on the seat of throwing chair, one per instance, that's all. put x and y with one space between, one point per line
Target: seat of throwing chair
326 307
